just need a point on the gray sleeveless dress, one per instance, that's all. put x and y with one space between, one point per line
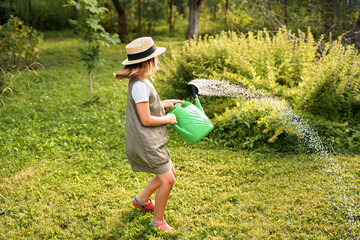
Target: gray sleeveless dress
146 146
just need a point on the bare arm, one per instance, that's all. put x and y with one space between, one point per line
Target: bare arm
170 103
148 120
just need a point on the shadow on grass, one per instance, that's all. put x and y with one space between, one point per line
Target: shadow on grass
134 224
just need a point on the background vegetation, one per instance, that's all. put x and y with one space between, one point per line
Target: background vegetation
329 18
64 172
271 168
320 84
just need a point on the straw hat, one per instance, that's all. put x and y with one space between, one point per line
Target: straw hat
142 49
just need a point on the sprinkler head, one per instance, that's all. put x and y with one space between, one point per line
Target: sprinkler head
193 90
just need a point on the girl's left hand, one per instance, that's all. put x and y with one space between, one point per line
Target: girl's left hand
170 103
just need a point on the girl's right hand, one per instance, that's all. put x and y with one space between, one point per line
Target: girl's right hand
171 118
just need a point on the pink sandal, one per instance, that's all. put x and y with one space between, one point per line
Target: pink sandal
149 206
163 226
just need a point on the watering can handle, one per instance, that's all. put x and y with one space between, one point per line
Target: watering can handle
183 104
179 129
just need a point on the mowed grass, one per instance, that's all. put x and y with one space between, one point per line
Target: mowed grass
64 172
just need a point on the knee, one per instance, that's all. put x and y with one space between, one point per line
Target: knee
169 181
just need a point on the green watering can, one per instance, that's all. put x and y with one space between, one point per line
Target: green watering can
193 124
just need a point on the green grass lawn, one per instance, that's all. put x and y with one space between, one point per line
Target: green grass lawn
64 173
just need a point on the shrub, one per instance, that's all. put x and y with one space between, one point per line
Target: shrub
331 87
18 44
282 65
255 61
266 124
339 137
317 80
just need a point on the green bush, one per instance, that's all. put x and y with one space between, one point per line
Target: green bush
339 137
282 65
18 44
272 63
267 124
321 81
331 87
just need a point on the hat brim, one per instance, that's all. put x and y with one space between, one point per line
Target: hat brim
159 50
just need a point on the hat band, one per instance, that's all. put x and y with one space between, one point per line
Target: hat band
140 55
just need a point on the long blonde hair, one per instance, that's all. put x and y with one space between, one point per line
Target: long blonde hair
131 71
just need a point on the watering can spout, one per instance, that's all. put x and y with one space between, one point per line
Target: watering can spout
197 102
194 91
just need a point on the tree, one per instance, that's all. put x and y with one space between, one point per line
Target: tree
194 10
122 29
153 13
226 9
139 16
170 4
174 11
356 40
76 12
180 6
92 33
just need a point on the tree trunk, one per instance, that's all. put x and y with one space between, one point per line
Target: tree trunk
30 13
194 9
91 88
357 34
122 29
328 16
76 12
139 17
226 12
171 23
285 12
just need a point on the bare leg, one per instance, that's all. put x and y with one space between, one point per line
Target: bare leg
150 188
167 181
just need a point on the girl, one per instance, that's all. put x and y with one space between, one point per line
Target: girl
146 133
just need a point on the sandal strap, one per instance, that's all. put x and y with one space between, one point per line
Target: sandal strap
138 202
163 225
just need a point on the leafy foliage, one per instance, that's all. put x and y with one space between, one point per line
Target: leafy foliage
257 124
259 62
19 44
92 33
319 81
331 87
